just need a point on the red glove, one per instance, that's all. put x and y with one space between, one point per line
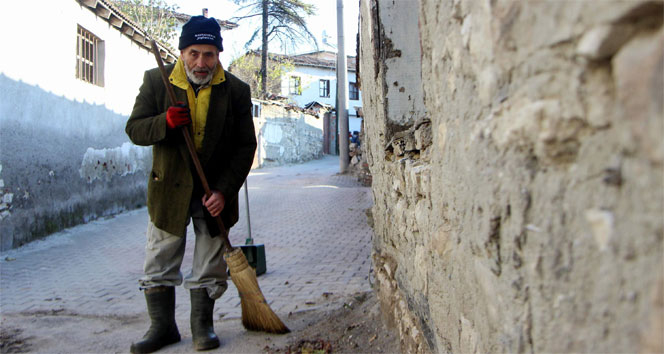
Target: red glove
177 116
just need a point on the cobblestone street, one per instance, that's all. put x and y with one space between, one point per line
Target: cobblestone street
311 220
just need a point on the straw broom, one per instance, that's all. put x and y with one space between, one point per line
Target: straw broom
256 313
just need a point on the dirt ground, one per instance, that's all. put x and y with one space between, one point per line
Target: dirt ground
337 325
355 327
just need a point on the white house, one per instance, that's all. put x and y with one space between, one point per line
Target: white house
69 75
314 79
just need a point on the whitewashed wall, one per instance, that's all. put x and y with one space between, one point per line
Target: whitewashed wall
310 81
64 155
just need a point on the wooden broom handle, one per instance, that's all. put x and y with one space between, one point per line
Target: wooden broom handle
190 144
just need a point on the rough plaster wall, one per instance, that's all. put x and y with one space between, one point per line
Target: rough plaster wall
51 124
398 132
285 136
50 147
528 218
402 63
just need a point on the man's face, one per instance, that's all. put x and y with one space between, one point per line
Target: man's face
200 62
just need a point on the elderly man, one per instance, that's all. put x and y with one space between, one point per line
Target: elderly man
218 105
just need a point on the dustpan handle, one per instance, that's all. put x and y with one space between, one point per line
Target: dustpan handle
250 240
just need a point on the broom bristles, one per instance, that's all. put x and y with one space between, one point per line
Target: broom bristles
256 313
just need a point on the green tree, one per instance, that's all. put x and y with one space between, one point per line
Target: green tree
156 17
248 69
283 20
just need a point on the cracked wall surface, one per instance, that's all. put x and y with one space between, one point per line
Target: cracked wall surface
517 160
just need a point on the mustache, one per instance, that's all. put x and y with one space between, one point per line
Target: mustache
191 74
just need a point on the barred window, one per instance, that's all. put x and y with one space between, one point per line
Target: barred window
89 57
295 86
353 92
324 88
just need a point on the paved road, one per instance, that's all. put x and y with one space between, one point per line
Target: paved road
311 220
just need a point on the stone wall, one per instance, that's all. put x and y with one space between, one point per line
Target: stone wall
286 136
517 159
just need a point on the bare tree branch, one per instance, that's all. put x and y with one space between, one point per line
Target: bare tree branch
283 20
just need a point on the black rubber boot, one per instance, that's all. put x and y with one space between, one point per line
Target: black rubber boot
163 330
202 328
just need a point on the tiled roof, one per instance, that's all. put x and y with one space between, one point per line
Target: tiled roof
121 22
320 59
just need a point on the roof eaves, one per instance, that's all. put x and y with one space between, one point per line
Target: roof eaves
306 60
122 23
322 66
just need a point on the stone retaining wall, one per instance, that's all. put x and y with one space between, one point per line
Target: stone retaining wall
287 136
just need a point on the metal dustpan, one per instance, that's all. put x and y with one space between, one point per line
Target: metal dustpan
255 253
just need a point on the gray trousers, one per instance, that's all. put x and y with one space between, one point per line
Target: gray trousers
164 253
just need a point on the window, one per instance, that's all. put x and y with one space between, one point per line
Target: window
324 88
353 92
295 87
89 57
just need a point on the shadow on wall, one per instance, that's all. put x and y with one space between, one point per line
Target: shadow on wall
62 163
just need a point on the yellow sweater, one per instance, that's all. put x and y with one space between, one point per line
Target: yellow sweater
198 104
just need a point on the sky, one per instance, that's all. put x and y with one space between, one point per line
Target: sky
234 40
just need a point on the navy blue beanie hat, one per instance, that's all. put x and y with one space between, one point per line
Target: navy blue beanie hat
201 30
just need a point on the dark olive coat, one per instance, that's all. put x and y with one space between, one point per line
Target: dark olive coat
226 156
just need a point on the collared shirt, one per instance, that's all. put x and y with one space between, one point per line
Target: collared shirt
199 99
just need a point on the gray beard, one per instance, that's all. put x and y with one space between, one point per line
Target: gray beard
199 81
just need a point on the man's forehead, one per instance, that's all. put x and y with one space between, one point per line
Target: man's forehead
201 48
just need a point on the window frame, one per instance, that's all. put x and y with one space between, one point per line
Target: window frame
324 88
89 57
295 85
353 91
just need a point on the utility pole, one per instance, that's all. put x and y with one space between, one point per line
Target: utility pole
342 87
264 52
